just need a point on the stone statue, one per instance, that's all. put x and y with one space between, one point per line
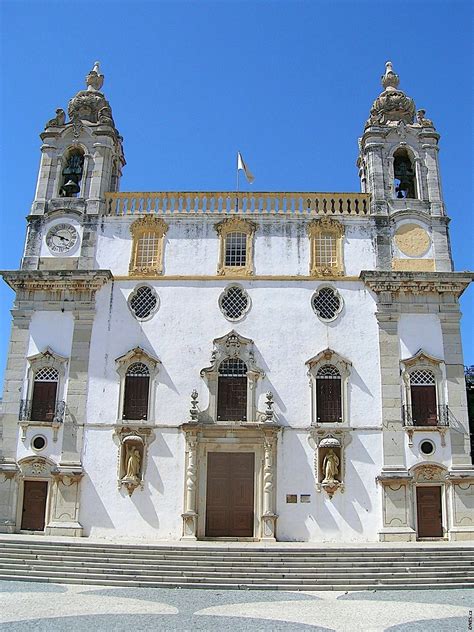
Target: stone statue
105 116
58 120
330 466
422 120
133 459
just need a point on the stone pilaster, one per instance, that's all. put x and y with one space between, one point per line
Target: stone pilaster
393 435
14 377
190 514
441 245
77 389
456 385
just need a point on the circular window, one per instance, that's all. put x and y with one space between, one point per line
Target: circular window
234 302
326 303
38 442
427 447
143 302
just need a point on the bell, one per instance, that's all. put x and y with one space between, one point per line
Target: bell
70 189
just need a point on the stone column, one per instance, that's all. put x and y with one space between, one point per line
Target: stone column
12 393
190 514
456 386
268 516
441 246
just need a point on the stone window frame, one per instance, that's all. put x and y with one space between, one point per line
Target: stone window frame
332 358
337 293
140 227
122 364
423 361
245 311
317 227
236 225
230 346
45 359
153 311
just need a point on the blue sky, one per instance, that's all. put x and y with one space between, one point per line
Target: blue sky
288 83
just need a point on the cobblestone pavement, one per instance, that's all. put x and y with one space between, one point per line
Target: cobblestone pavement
57 608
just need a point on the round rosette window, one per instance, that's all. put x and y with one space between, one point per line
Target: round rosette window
143 302
326 303
234 302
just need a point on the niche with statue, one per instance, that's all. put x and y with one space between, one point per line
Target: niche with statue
329 465
132 457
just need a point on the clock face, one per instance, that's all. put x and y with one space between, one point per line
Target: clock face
61 237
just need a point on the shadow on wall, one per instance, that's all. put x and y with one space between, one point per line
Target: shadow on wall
294 517
90 498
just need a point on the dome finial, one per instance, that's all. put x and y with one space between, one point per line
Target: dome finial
94 79
390 80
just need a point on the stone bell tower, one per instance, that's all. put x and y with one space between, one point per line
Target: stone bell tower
398 165
81 160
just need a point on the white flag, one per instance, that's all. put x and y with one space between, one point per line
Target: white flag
243 167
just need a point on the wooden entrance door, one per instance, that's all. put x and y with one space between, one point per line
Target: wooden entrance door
34 505
428 508
229 498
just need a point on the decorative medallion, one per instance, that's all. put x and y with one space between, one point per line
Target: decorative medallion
61 238
412 240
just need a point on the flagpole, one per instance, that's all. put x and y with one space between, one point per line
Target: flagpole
237 196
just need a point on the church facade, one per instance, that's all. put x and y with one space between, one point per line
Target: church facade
263 366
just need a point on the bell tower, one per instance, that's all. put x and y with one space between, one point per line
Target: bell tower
81 159
398 165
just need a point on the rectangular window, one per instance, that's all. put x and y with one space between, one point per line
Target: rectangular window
232 398
423 403
147 250
325 250
236 249
328 402
44 401
135 404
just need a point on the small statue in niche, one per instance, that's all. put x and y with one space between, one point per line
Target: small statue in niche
105 116
58 120
132 461
330 467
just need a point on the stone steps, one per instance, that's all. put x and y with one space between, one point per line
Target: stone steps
242 567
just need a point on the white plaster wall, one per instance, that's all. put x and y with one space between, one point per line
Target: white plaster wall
51 451
51 329
420 331
352 516
191 247
153 512
281 322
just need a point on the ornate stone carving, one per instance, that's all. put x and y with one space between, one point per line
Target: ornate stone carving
58 121
329 459
413 282
190 514
422 120
236 225
429 472
392 105
331 229
133 443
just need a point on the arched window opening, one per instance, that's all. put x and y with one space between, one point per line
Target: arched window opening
236 250
135 399
328 394
404 175
423 398
72 174
45 387
232 390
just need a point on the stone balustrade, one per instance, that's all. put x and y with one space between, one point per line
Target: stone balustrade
245 203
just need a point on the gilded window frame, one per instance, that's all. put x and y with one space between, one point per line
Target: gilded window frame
236 225
315 229
138 228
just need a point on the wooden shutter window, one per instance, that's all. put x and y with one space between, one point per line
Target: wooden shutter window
45 387
232 390
328 395
423 398
135 399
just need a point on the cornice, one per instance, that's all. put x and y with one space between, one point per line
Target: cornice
56 280
416 282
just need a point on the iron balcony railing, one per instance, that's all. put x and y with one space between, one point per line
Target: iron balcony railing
42 411
437 416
